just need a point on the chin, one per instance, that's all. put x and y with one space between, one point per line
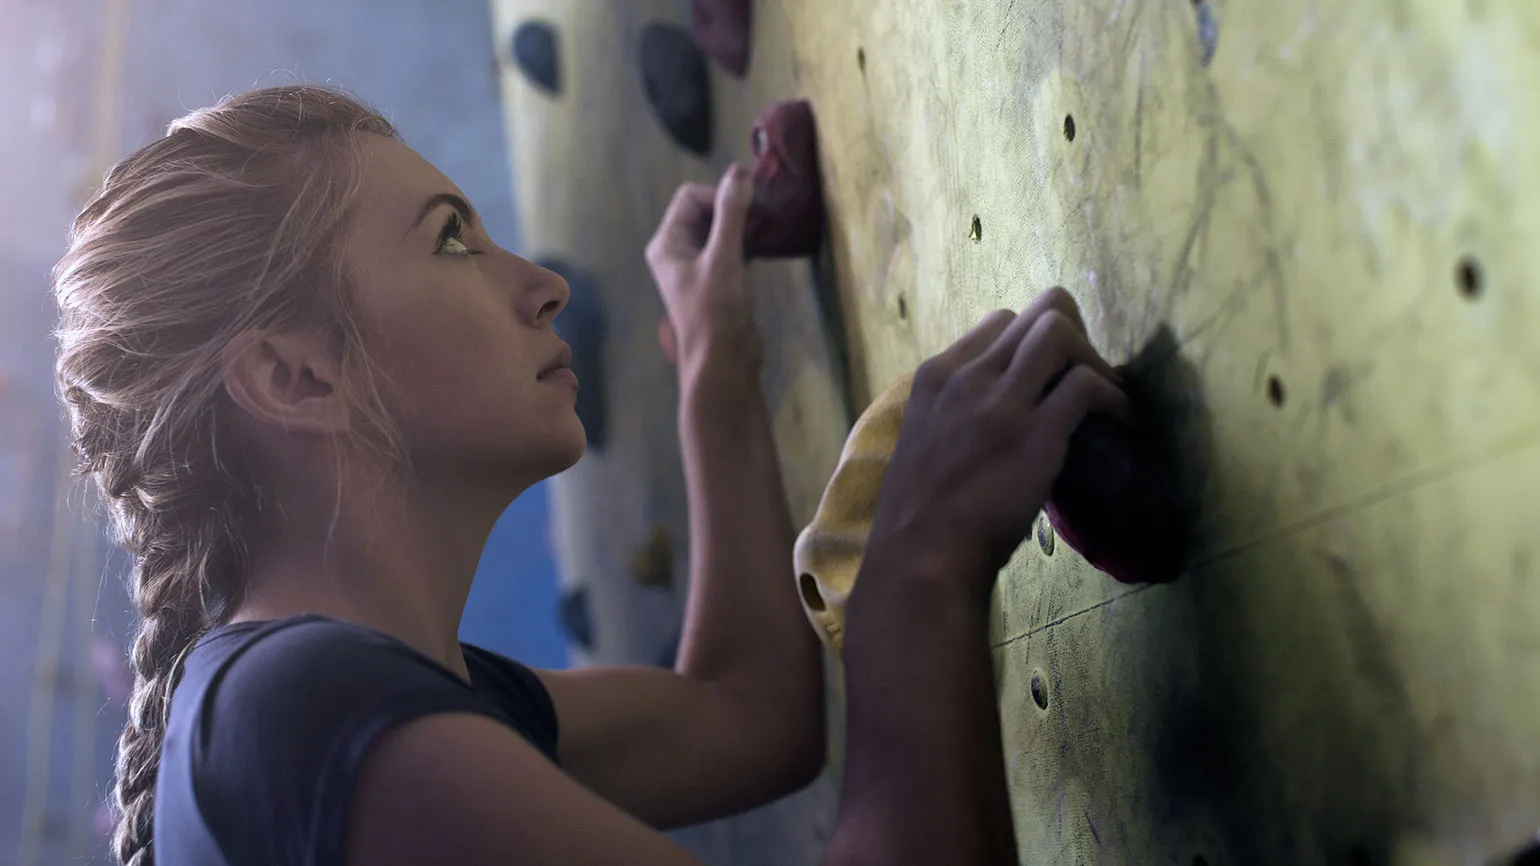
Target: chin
571 449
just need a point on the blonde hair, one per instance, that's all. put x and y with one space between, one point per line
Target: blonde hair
234 221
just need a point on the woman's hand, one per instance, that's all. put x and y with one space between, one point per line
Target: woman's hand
984 435
696 258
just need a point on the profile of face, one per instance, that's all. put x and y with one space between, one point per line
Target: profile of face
459 327
459 333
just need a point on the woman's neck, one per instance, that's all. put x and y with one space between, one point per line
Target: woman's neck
400 564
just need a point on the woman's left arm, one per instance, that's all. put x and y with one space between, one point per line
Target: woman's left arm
740 721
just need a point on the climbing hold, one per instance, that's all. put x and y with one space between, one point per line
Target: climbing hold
723 29
1530 856
786 218
575 619
1114 503
582 324
828 553
670 653
677 85
653 564
535 51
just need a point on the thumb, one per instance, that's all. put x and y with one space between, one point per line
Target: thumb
734 195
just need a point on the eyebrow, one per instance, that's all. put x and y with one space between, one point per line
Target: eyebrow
459 204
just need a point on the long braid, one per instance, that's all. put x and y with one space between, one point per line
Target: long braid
232 222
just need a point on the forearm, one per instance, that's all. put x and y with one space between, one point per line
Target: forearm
744 626
924 769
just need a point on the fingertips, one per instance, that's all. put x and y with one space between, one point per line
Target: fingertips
734 194
1081 392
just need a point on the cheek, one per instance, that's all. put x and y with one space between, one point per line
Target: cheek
451 360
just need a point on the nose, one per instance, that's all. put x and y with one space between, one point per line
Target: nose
545 293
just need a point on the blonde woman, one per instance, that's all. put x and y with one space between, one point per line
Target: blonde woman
308 383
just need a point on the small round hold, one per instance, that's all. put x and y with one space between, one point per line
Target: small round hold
670 652
1039 691
535 51
1045 535
575 618
677 84
583 325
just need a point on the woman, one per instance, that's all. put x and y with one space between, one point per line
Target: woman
308 383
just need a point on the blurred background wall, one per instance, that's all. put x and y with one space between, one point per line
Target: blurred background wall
82 83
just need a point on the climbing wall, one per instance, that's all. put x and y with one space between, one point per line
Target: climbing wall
1310 226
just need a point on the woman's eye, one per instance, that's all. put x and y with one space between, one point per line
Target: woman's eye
449 239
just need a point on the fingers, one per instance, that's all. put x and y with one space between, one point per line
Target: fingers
731 213
683 227
1051 345
1054 300
978 339
1081 392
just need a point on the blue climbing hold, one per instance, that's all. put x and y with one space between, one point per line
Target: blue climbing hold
535 51
582 324
678 85
575 619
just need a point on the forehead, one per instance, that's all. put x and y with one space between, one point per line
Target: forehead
394 183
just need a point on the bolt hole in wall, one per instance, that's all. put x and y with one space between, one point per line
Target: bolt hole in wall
1468 278
1069 127
1275 394
861 59
1039 691
976 230
903 308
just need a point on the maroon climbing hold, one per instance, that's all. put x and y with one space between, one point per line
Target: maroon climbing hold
723 29
787 217
1114 502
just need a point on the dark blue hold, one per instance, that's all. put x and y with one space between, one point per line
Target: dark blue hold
575 619
678 86
670 653
582 324
535 50
1529 856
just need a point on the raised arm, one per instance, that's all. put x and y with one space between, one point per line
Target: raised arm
739 722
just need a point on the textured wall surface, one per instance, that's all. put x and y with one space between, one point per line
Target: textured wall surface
1313 223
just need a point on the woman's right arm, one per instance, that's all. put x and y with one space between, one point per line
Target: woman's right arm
984 435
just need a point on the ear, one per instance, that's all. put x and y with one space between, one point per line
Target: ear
291 380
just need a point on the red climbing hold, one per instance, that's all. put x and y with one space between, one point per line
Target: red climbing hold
722 29
1115 504
787 217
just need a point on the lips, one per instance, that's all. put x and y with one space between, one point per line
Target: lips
562 360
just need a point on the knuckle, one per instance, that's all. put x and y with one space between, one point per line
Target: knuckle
932 375
1000 317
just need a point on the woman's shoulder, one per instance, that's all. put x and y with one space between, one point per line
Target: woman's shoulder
289 708
268 679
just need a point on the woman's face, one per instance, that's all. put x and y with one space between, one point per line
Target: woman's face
460 329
